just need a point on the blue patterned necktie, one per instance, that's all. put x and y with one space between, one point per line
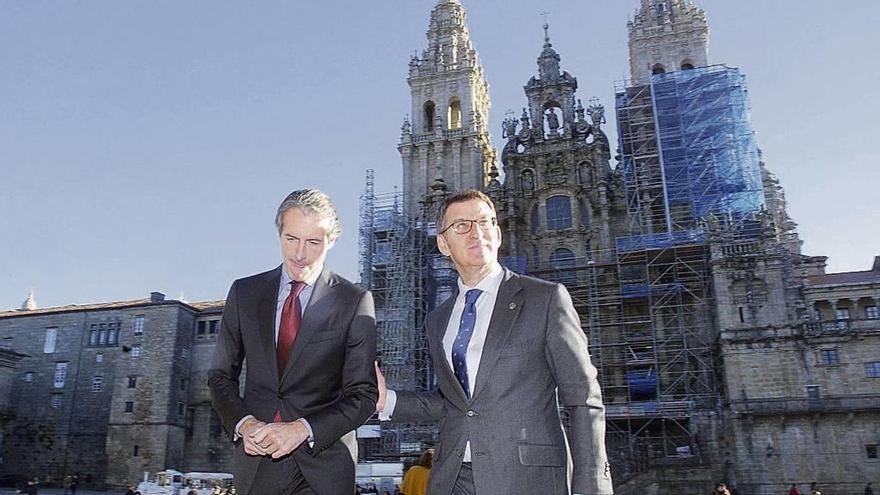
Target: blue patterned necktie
465 331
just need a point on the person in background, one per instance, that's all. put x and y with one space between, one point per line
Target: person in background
721 489
415 481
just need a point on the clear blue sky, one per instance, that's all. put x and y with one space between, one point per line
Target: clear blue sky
145 145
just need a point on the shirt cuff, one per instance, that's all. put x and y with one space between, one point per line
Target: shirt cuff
305 423
390 403
241 421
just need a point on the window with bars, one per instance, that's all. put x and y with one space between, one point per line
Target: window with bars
139 325
135 351
842 315
828 357
871 312
97 383
104 334
872 369
56 401
60 374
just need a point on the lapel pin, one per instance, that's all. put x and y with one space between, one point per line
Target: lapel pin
512 305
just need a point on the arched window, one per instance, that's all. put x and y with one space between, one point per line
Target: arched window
584 213
535 219
658 69
686 64
562 261
429 116
558 213
454 115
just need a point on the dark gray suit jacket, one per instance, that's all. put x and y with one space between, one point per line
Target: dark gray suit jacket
329 379
535 358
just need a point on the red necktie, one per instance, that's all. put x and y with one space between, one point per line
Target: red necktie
291 314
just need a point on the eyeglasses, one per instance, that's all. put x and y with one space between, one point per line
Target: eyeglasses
463 227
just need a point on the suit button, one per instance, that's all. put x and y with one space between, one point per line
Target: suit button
471 414
281 396
458 453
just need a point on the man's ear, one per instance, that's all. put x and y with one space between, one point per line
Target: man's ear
442 246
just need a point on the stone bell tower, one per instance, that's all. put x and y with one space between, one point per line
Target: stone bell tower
666 36
446 138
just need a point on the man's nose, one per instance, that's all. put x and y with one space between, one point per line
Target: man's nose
300 251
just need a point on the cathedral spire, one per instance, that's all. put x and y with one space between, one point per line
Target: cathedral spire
548 61
445 144
666 36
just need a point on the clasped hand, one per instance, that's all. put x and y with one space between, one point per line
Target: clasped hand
272 439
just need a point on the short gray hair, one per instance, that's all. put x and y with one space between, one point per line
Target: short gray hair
312 201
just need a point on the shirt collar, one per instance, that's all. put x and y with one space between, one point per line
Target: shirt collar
490 283
286 280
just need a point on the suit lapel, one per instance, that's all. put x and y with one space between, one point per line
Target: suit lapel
441 364
268 301
320 307
507 307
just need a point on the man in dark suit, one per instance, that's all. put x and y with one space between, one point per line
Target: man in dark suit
507 350
309 339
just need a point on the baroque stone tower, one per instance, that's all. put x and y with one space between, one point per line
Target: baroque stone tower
557 197
446 141
665 36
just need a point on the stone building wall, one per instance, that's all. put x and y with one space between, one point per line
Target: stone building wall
123 405
799 413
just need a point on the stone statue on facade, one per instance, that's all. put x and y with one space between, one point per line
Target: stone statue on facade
509 130
597 112
552 121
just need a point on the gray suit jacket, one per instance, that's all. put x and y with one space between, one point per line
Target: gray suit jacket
329 379
534 359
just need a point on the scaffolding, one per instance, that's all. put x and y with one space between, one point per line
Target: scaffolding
408 277
648 315
688 150
688 158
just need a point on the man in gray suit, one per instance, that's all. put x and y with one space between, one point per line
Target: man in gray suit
309 339
507 349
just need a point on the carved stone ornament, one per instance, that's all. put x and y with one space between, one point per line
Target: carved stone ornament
556 175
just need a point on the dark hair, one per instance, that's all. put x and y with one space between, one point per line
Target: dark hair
461 197
427 459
